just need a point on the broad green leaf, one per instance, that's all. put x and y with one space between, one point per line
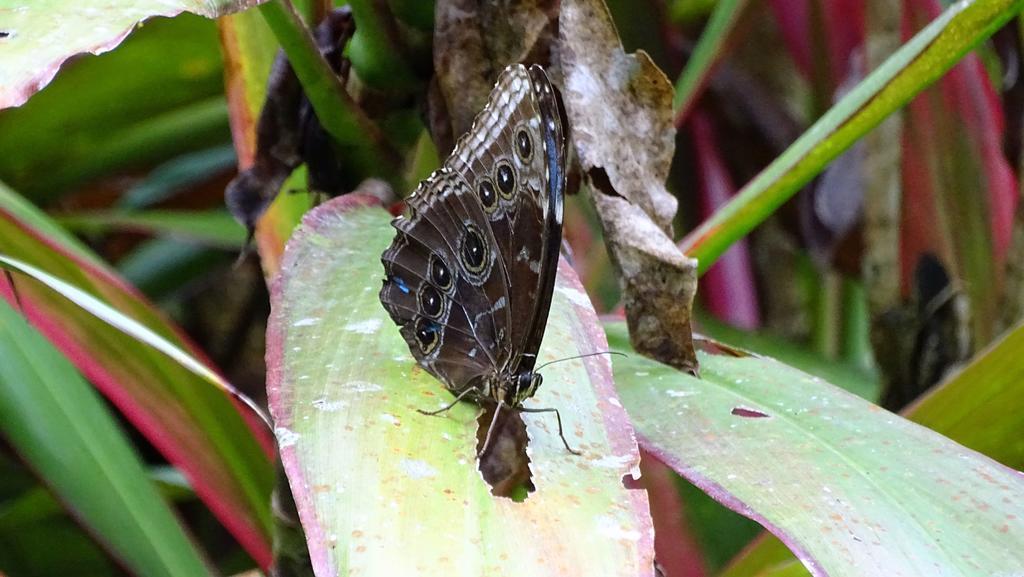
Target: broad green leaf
158 95
851 488
212 227
978 407
384 490
178 175
39 36
195 425
61 427
981 406
916 65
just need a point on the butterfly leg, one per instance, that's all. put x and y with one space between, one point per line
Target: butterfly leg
558 417
449 406
490 430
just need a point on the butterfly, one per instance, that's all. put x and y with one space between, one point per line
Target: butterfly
470 273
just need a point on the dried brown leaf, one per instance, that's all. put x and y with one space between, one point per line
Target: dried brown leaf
658 282
620 109
474 41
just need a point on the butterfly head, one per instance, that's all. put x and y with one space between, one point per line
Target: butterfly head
524 385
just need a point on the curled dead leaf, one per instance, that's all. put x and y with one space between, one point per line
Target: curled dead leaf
620 108
658 282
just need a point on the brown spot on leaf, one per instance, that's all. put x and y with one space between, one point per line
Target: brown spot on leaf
748 413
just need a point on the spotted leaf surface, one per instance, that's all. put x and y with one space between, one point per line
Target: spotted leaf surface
852 489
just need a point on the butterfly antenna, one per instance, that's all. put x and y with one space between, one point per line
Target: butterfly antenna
580 357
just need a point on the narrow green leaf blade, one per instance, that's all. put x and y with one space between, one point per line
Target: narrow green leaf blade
112 317
59 425
852 489
982 406
211 227
384 490
916 65
195 425
706 53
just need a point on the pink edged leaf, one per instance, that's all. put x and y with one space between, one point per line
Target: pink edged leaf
675 543
852 489
37 37
194 424
978 407
384 490
60 426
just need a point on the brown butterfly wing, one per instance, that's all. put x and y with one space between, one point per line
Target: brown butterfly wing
517 152
471 269
445 286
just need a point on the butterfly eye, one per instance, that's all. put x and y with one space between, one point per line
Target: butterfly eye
473 250
427 335
430 302
488 196
505 176
439 274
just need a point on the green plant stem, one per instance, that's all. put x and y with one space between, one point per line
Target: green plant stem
375 49
826 314
355 134
705 54
914 67
856 325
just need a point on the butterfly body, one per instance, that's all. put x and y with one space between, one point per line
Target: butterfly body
470 273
